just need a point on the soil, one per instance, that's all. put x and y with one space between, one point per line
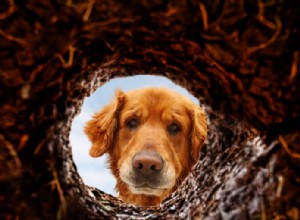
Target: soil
239 58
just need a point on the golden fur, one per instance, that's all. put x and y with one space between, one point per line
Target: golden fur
152 119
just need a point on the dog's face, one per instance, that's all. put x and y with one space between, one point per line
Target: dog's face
153 137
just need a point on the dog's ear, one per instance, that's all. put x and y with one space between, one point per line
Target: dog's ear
101 128
199 131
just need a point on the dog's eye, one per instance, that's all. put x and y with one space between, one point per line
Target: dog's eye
132 123
173 129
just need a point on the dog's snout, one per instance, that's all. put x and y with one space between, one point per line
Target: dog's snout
147 162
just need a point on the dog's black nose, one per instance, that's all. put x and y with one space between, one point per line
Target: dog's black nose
147 162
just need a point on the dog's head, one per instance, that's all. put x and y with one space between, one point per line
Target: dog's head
153 137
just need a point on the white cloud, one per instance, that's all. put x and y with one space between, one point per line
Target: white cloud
102 179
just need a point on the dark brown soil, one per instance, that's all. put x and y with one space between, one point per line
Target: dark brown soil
239 57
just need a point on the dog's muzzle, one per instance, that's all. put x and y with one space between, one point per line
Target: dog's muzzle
147 167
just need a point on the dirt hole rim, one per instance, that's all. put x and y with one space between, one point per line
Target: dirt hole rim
94 201
87 85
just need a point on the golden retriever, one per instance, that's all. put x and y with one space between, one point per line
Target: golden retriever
153 137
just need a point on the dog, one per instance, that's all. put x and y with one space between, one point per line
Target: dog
153 137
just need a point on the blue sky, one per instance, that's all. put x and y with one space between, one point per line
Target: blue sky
94 171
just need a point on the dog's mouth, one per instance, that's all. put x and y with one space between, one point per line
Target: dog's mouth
146 189
147 186
155 182
150 187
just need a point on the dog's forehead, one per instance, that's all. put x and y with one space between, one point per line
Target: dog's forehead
155 96
157 100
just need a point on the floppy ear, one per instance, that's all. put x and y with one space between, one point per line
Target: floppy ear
199 131
101 128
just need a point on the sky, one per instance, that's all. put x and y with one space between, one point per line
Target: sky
94 171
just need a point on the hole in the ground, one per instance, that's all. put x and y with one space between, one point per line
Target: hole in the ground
95 171
208 177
